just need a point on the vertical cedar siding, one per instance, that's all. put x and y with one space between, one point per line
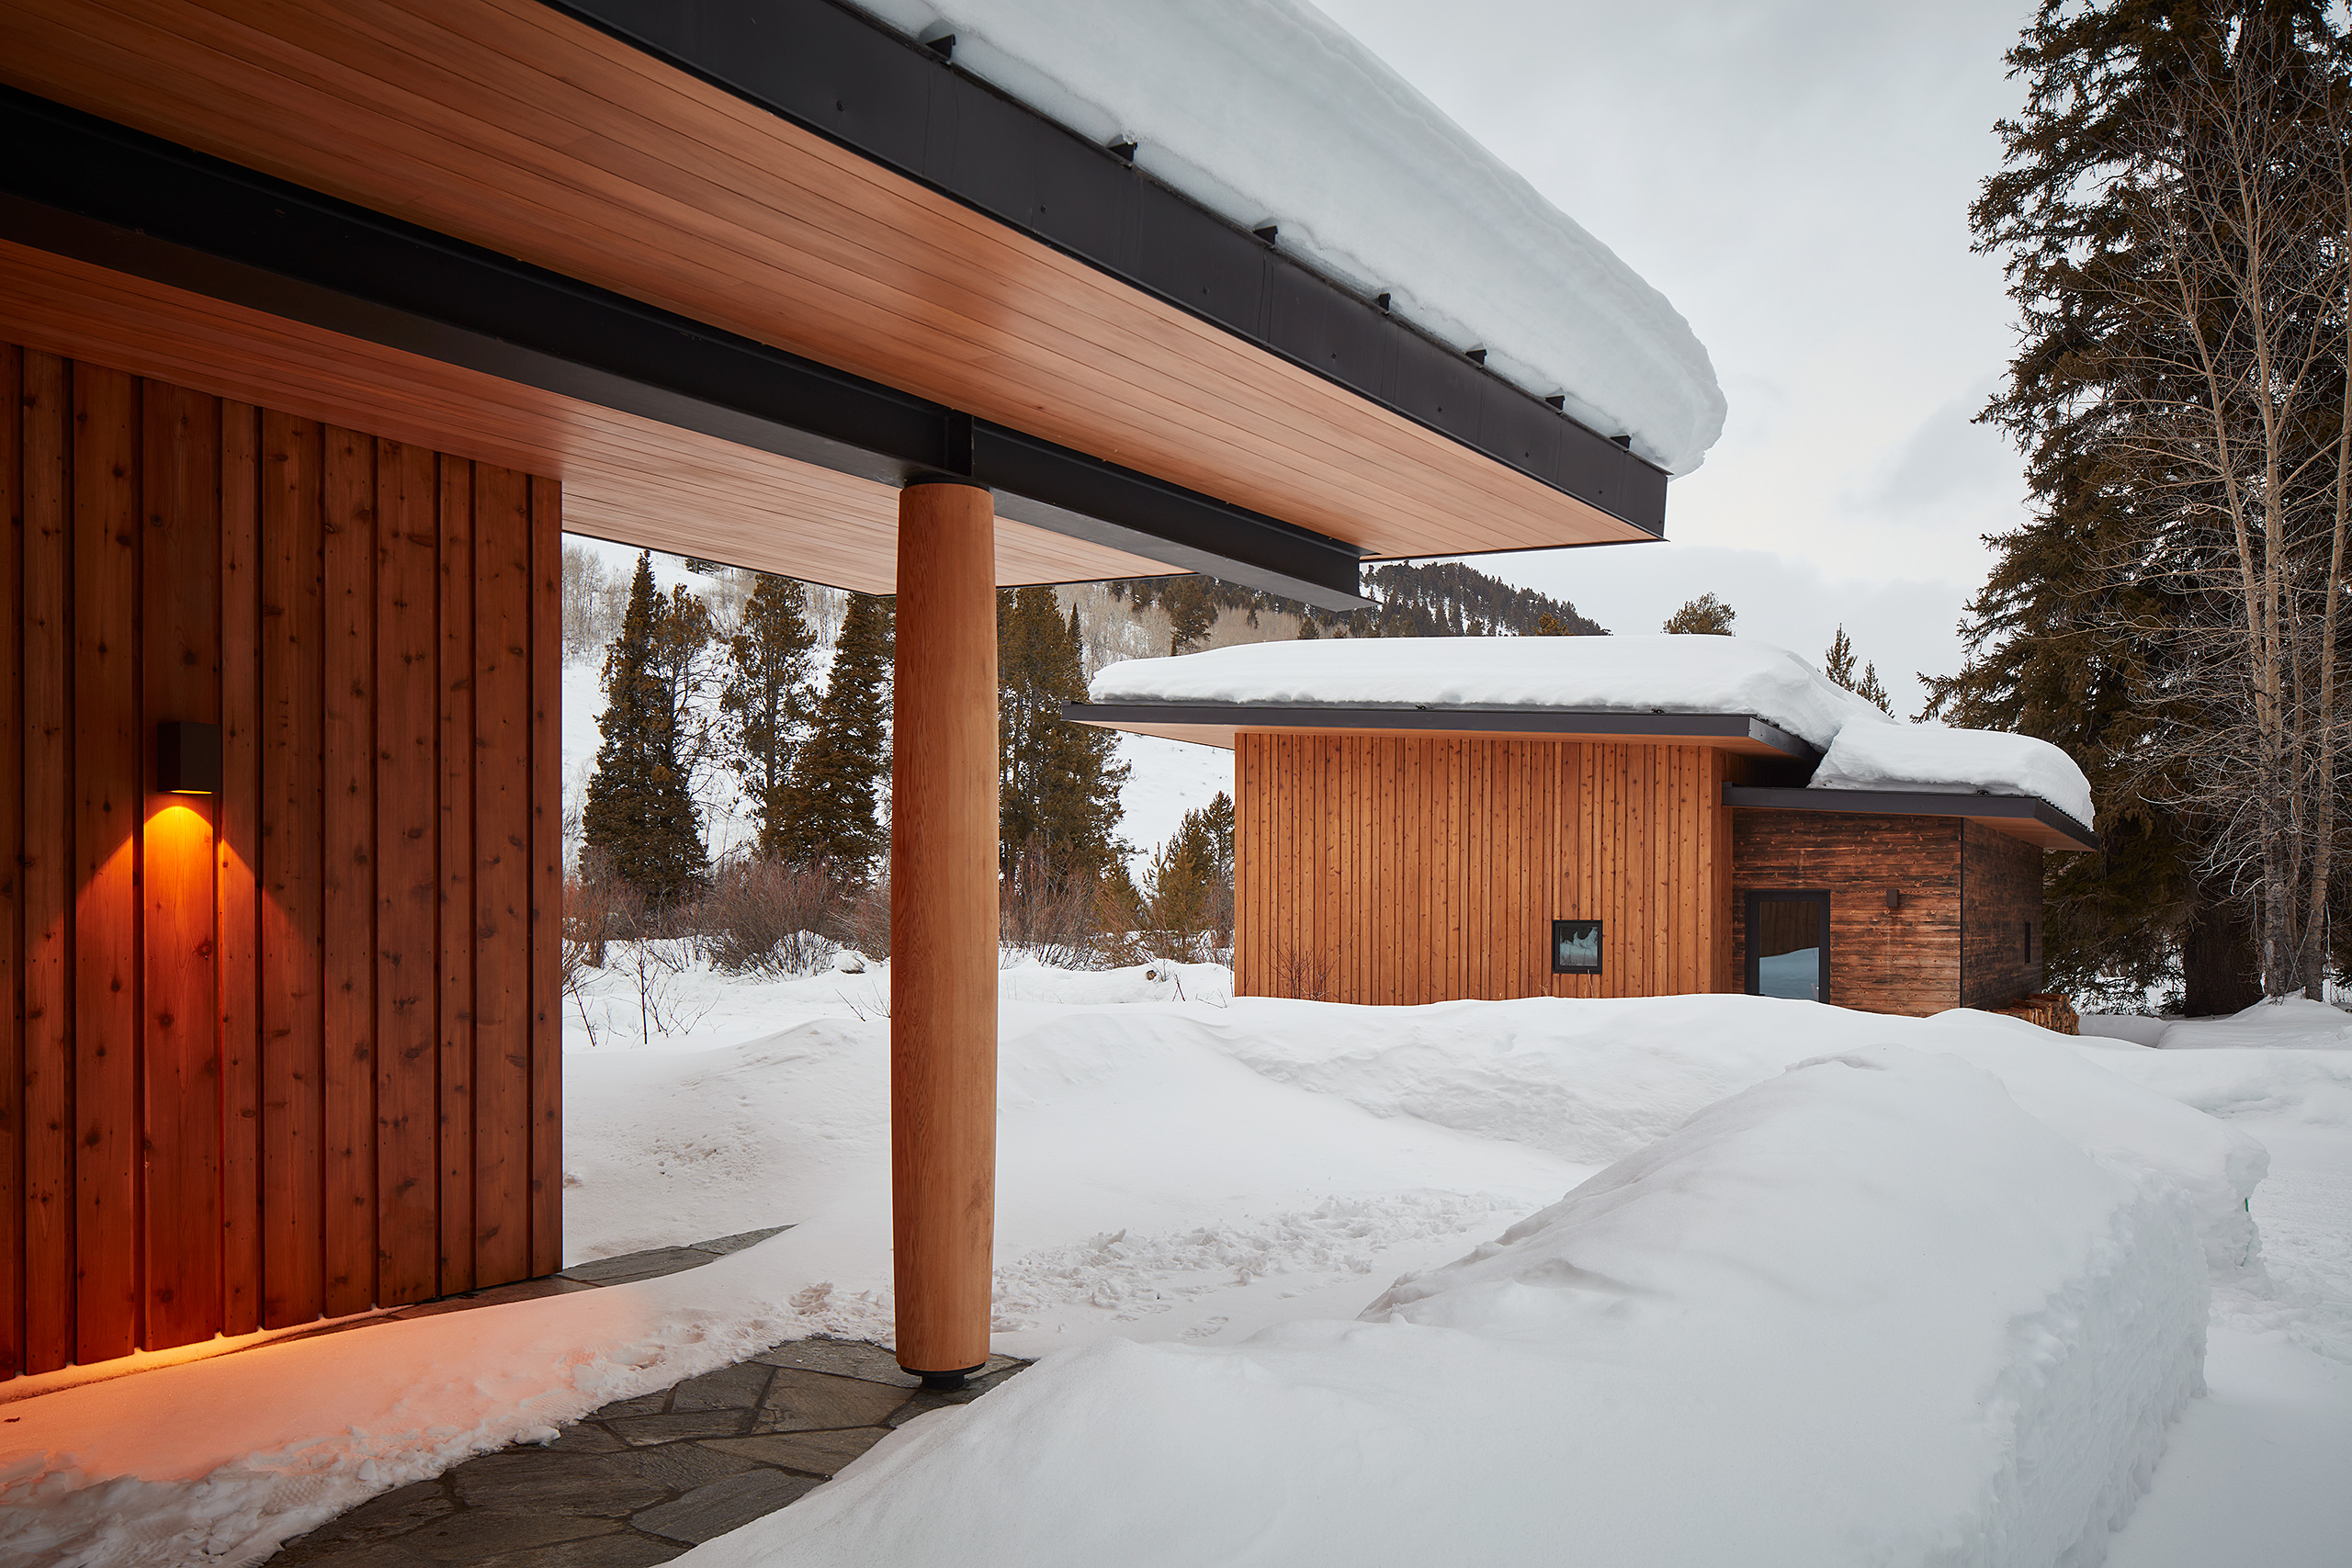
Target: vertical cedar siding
1421 868
44 696
291 1048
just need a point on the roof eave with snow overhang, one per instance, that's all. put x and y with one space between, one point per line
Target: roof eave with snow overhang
789 257
1216 724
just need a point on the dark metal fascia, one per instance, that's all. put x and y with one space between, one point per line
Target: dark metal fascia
78 186
835 71
1907 803
1391 716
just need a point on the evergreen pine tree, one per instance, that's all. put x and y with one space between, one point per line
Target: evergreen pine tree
2067 639
1188 891
639 816
1704 616
767 697
1192 611
831 807
1838 665
1059 788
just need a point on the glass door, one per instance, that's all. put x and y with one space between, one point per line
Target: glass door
1788 945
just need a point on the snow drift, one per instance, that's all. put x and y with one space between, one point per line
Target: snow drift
1865 748
1868 1311
1266 111
1169 1173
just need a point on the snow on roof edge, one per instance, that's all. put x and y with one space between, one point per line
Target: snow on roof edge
1863 748
1267 111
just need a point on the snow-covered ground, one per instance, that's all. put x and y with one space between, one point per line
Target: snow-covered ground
1932 1299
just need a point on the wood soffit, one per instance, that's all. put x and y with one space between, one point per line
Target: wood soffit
636 480
2019 816
511 126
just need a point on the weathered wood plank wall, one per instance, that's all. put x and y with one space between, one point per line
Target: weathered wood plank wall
2000 918
1405 869
1905 960
291 1048
1970 897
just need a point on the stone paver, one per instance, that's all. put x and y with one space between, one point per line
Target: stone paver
643 1480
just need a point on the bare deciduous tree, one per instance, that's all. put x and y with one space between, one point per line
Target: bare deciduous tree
2231 421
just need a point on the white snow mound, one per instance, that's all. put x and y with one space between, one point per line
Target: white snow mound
1868 1311
1918 757
1265 111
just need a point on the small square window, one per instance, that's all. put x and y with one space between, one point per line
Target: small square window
1576 947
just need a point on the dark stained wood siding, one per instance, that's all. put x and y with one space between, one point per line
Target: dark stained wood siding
2000 913
237 1072
1421 868
1901 961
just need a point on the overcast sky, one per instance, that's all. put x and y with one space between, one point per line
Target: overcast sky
1796 178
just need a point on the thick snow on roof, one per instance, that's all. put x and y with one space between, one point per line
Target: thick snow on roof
1918 758
1576 674
1866 749
1265 111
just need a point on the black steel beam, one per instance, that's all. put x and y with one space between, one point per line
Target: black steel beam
1909 803
1404 717
833 70
81 186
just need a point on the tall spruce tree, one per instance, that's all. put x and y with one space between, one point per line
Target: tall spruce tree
1838 665
2077 635
1058 782
639 817
1188 890
832 807
768 699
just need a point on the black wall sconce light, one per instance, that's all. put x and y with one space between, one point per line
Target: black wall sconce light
188 757
1893 899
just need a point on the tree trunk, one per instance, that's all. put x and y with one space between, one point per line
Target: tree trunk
2219 967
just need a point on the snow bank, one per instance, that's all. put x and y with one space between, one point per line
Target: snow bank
1593 1081
2296 1022
1589 674
1916 757
1866 749
1868 1311
1265 111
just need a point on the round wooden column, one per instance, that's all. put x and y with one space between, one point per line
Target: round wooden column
943 928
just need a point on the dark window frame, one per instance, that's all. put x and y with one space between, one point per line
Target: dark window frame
1757 897
1560 937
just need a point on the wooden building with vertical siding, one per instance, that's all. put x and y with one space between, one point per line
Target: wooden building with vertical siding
318 323
1405 852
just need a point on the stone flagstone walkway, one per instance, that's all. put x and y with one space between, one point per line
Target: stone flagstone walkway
642 1480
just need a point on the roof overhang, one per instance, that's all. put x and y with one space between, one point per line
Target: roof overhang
805 442
2020 816
813 248
1216 724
